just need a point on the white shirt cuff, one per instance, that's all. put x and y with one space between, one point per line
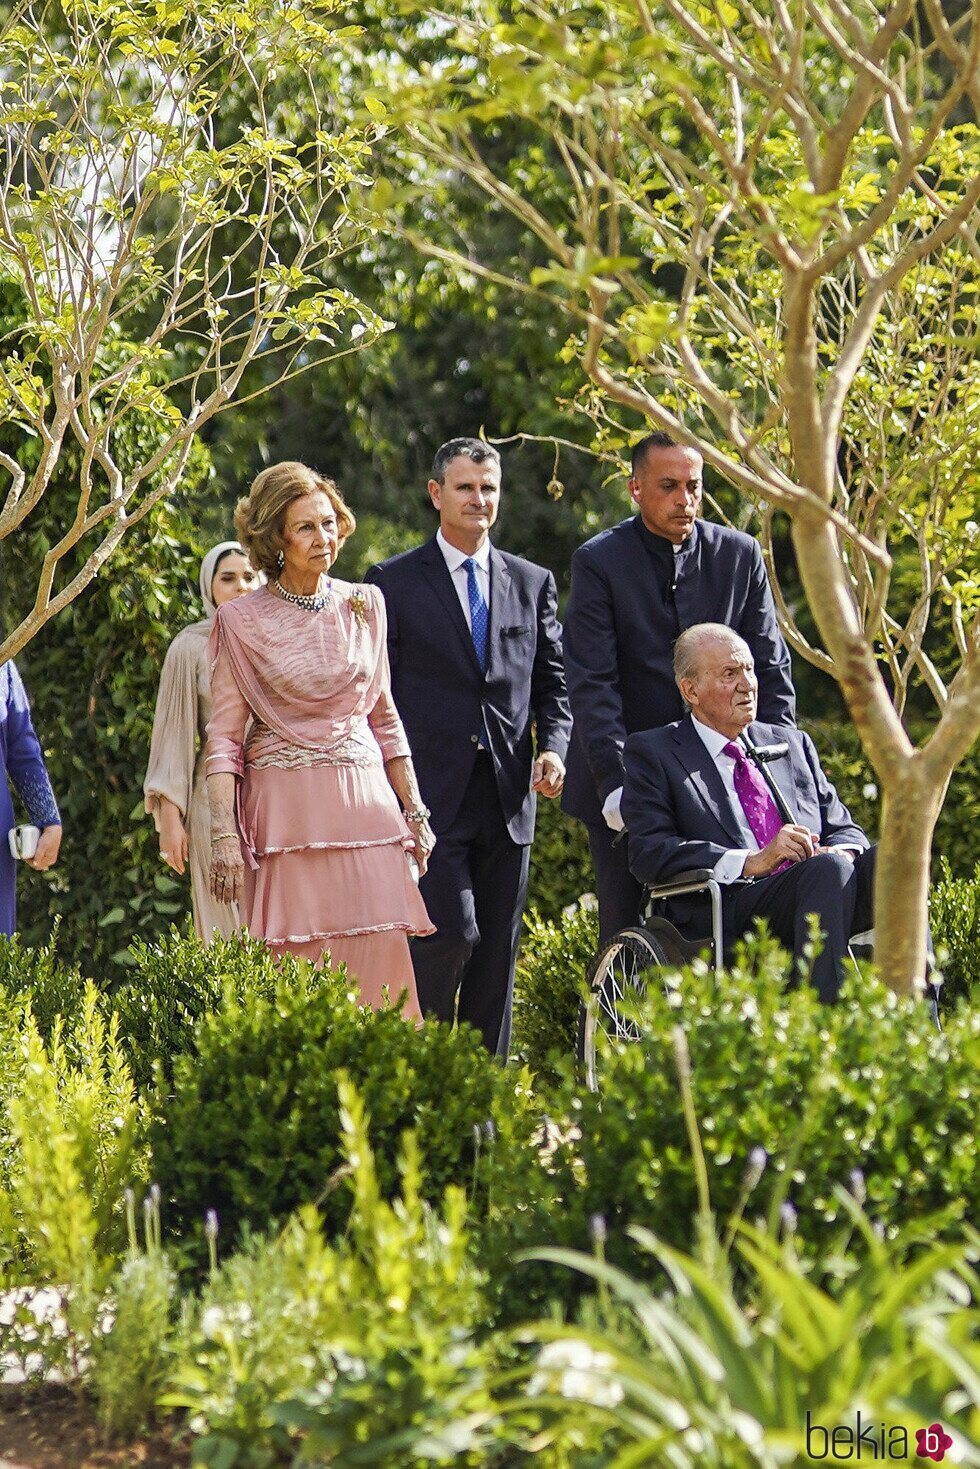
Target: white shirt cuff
610 810
729 866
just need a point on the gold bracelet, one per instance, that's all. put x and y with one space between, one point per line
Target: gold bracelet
225 836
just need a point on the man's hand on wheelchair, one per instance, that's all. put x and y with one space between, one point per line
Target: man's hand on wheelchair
791 843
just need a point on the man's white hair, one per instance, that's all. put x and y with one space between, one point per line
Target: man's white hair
692 642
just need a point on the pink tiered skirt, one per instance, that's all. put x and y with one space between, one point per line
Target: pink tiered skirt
332 882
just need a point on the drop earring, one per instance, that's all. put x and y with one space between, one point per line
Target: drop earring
280 560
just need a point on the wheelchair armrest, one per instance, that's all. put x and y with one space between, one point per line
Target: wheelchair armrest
699 877
698 880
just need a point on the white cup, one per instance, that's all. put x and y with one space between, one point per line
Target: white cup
23 840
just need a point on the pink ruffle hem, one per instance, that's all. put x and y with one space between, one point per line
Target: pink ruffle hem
333 876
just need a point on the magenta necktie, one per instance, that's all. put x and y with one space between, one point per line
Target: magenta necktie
755 797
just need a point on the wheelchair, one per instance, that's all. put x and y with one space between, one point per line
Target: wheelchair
621 970
627 964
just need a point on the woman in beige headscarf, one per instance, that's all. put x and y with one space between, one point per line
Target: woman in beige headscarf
175 788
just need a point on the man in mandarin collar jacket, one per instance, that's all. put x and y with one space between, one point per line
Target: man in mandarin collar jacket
635 588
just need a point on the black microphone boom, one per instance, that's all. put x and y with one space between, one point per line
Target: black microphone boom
761 755
768 752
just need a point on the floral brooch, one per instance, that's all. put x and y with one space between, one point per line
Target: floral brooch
358 607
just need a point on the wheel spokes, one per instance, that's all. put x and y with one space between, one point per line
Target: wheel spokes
622 983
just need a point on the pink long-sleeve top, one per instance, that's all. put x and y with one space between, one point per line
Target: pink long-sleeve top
291 677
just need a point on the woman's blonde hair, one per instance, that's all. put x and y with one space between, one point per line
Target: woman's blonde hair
260 516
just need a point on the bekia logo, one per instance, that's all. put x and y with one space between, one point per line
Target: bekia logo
932 1442
869 1441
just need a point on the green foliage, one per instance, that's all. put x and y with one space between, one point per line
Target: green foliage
42 978
173 143
957 835
252 1128
954 911
171 983
561 865
550 980
131 1355
76 1132
93 678
867 1088
365 1348
72 1142
698 1379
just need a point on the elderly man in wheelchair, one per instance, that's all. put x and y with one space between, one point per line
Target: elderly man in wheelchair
729 820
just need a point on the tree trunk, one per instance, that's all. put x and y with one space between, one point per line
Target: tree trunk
910 809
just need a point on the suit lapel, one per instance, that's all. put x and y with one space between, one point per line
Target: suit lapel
706 779
499 592
437 574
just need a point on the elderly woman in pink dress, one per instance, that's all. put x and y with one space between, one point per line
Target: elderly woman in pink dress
316 817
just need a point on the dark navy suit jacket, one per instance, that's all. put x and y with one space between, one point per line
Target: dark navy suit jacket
630 599
679 814
442 695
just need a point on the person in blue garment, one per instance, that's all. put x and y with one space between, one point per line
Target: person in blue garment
23 764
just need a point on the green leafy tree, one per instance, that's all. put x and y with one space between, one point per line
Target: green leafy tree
93 676
174 193
761 226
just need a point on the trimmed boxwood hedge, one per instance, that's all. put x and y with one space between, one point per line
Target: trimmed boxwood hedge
869 1084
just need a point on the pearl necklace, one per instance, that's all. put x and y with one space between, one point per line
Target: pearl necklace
314 603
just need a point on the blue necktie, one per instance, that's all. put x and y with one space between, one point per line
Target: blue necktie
479 617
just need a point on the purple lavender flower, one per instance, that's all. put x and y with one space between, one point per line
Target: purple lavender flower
756 1166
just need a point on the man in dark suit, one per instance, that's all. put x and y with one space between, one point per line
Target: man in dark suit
692 798
475 649
634 589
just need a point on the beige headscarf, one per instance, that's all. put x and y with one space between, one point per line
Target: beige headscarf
208 567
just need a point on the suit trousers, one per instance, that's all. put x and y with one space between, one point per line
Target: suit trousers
475 889
619 894
829 884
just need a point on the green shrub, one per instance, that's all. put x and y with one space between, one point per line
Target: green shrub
366 1348
175 980
561 867
954 911
868 1084
700 1379
554 958
53 986
35 982
75 1144
252 1128
131 1356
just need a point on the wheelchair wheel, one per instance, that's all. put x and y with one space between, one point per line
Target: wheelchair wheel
619 972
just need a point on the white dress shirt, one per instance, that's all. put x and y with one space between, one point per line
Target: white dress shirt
454 559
